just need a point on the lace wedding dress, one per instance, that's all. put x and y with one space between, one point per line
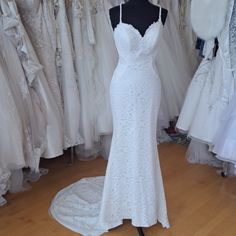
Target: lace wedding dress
133 187
37 17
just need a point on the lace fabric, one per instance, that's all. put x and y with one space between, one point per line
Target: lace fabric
135 101
4 185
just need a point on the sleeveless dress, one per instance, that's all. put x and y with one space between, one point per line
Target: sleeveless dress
133 187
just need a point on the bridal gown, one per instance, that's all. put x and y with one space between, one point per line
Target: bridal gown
133 187
37 17
67 77
210 90
27 100
11 156
83 42
38 83
107 60
175 80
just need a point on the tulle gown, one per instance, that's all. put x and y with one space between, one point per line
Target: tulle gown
210 91
225 139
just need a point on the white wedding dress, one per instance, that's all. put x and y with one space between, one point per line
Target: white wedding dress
175 80
67 77
12 136
85 63
39 22
133 187
210 91
107 58
40 89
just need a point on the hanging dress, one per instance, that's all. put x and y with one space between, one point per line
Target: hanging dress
67 78
37 17
210 91
107 55
28 104
175 77
12 136
38 83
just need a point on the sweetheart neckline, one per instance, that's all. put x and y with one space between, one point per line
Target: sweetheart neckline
136 30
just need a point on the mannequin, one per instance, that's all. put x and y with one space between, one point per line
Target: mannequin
139 13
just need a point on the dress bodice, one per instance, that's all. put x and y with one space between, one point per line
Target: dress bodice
132 46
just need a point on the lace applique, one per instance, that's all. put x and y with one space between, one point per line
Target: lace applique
79 6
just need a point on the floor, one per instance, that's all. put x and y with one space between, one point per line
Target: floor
200 203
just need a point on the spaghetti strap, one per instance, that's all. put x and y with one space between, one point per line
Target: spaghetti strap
160 12
121 12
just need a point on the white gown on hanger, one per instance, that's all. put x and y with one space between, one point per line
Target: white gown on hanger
27 101
39 22
133 187
105 66
12 136
84 59
210 92
37 80
188 36
34 124
69 87
85 63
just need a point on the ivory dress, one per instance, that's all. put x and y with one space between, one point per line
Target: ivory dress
37 17
133 187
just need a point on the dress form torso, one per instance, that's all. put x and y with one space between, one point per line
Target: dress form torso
139 13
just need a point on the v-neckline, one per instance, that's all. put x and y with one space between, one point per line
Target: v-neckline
136 30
